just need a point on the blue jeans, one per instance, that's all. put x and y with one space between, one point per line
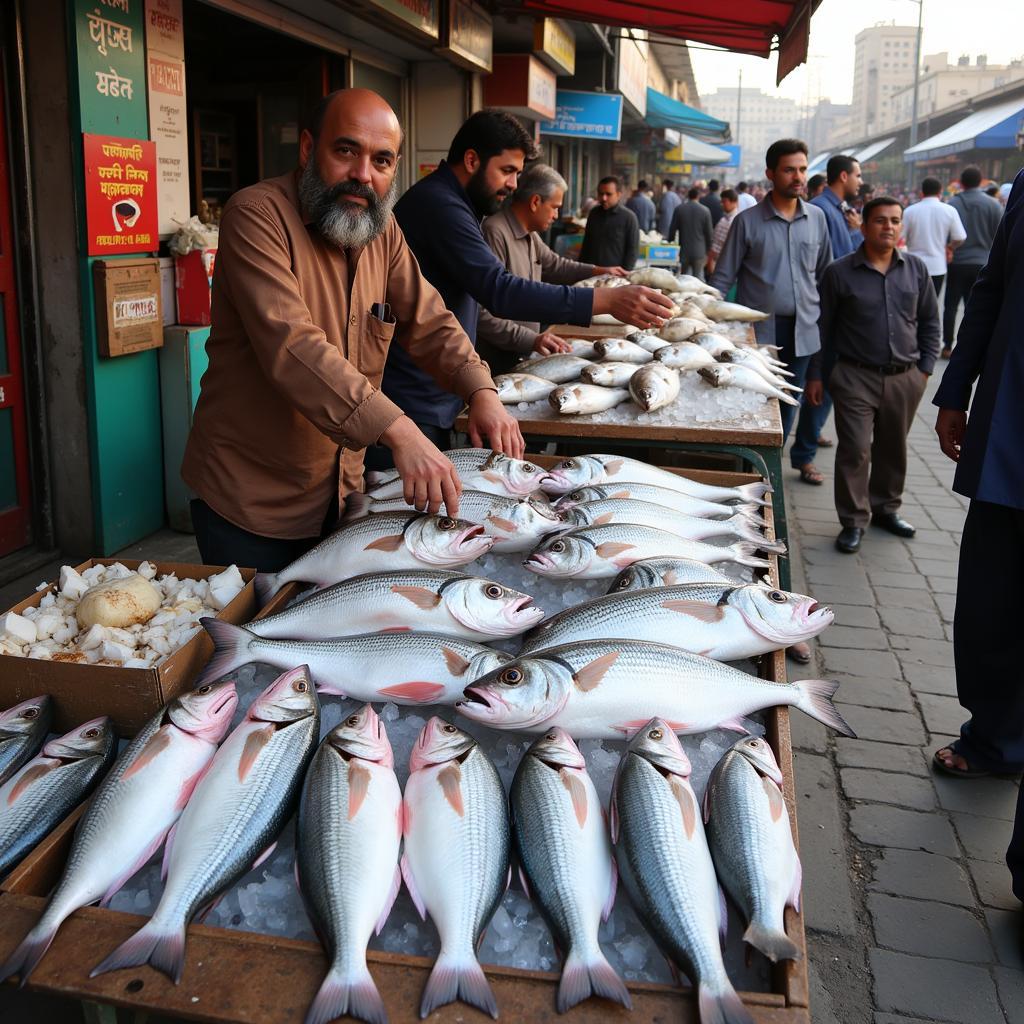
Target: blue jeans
785 338
808 430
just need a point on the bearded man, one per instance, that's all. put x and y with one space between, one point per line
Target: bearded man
313 276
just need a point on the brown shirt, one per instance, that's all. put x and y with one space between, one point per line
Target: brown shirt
296 359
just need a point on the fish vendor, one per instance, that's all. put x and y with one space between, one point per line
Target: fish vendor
314 278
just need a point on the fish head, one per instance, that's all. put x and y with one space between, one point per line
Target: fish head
565 399
657 743
634 577
596 373
488 607
486 662
580 497
519 695
507 386
716 376
30 716
439 742
291 697
91 739
561 556
569 474
441 541
362 735
759 753
557 749
205 712
780 616
575 516
517 476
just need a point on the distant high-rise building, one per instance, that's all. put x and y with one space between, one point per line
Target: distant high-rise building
762 119
883 64
822 125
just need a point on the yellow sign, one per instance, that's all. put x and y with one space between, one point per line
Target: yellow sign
555 44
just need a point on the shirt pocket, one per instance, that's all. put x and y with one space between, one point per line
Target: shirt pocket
905 304
373 352
809 256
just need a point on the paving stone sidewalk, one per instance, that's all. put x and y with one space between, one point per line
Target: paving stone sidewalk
909 911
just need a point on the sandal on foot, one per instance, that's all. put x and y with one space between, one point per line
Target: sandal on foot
951 769
810 474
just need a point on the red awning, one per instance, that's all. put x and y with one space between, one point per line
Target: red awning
745 26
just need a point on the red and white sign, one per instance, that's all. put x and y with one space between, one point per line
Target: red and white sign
120 195
168 127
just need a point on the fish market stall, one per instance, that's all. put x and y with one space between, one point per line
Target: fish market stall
255 958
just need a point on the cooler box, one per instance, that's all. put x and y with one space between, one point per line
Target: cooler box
182 364
660 253
193 281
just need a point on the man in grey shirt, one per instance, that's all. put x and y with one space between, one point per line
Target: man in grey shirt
643 206
980 215
692 222
776 253
670 199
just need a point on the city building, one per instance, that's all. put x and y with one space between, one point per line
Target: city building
883 65
822 124
757 119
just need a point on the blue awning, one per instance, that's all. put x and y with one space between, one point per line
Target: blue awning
994 127
665 112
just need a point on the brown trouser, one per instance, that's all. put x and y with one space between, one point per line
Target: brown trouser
873 417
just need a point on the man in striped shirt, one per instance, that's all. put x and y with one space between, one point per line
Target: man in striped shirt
730 207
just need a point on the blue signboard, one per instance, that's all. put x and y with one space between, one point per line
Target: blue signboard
734 152
586 115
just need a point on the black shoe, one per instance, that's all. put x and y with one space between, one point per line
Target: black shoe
849 539
894 523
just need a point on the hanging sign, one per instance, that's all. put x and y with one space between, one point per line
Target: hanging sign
467 36
586 115
120 195
555 44
169 130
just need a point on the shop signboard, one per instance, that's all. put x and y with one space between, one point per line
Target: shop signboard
735 152
165 31
555 44
110 41
632 79
120 195
467 36
169 130
423 17
521 85
586 115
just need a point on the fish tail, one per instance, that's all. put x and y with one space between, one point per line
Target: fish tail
154 944
784 396
353 994
756 491
25 958
775 944
583 978
815 699
357 505
721 1007
267 585
743 552
453 978
745 529
230 649
750 511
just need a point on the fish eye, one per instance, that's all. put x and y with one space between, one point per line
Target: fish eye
551 736
353 721
511 676
528 467
568 464
655 734
777 596
558 546
91 734
301 686
204 689
448 728
445 523
30 713
493 590
626 581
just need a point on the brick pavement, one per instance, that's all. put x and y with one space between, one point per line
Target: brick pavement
909 911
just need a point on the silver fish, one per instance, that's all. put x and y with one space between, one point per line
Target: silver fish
582 347
566 859
714 344
648 340
723 621
757 361
560 368
392 540
740 377
665 572
514 388
654 386
456 859
347 837
609 375
690 286
132 810
719 310
406 668
667 870
585 470
684 355
231 821
674 500
583 399
681 328
600 552
425 601
751 843
606 689
479 469
49 787
655 277
23 728
620 350
645 513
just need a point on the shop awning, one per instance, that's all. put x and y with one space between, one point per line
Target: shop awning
697 152
665 112
869 152
817 164
745 26
995 127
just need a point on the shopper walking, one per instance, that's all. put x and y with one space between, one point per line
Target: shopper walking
692 224
713 202
979 215
667 205
612 236
643 206
879 343
730 207
933 229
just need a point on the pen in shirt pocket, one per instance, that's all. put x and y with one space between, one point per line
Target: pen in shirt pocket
382 311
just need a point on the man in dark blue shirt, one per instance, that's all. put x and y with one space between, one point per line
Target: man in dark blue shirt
440 218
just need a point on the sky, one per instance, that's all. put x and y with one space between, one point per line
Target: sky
994 29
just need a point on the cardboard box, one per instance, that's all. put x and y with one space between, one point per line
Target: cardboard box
167 302
130 696
128 311
193 281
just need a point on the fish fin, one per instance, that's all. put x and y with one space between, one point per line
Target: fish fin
784 396
609 549
582 979
816 700
254 744
755 492
205 912
266 585
449 779
156 744
605 517
410 884
31 773
358 787
742 552
161 948
230 648
699 610
746 530
613 887
734 725
591 674
453 979
166 860
330 690
723 1007
188 787
794 894
413 692
502 524
389 901
392 542
493 478
257 862
774 944
357 505
456 663
577 793
524 882
140 861
612 467
776 805
419 596
25 958
687 804
352 995
723 917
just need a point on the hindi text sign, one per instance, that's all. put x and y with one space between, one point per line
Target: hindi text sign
169 129
120 195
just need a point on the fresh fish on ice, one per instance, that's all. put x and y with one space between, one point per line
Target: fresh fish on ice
682 329
479 469
648 340
659 496
654 386
583 399
621 350
23 728
665 572
757 361
560 368
609 375
691 285
714 344
514 388
722 376
720 310
684 355
655 277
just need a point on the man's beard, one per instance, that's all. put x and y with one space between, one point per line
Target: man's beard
346 225
484 200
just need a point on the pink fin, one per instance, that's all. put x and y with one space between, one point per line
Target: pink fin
389 900
416 692
776 805
502 524
610 549
581 980
24 960
164 950
353 996
613 885
33 773
591 674
577 793
687 804
603 519
158 742
410 884
734 725
725 1007
451 980
265 854
422 597
524 882
456 663
396 629
358 787
330 690
613 466
699 610
390 543
254 744
188 787
450 780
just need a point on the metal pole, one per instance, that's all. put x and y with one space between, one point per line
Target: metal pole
739 99
917 79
